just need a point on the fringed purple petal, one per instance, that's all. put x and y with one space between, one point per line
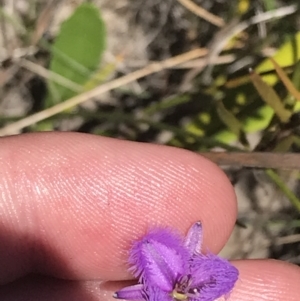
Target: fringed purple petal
212 277
193 239
134 292
170 269
159 258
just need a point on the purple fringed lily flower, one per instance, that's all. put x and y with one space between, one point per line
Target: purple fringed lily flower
172 269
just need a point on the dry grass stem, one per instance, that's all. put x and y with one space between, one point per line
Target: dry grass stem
202 13
45 73
201 62
15 127
225 34
43 21
7 74
294 238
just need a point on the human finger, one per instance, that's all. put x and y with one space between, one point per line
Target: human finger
267 280
72 203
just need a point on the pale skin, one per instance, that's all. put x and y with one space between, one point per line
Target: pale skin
71 204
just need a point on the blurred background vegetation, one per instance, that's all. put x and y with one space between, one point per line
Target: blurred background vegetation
115 68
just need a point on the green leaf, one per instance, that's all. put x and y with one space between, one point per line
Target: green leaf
233 124
270 97
77 51
269 4
100 76
165 104
286 81
287 55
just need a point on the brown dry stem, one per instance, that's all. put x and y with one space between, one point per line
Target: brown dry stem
15 127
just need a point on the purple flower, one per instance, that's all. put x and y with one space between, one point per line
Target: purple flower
172 269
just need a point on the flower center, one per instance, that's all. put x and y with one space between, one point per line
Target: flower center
182 290
178 296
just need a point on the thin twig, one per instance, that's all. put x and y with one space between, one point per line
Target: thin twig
255 159
4 32
294 238
202 13
223 59
222 38
45 73
43 21
7 74
15 127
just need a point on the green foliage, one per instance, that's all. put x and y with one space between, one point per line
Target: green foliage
287 55
166 104
283 187
77 51
232 123
270 97
239 97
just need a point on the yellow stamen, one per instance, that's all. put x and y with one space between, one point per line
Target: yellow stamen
178 296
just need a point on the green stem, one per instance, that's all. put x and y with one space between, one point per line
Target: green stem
283 187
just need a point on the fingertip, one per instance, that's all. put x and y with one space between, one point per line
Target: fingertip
270 280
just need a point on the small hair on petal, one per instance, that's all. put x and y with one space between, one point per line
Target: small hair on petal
213 276
159 258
